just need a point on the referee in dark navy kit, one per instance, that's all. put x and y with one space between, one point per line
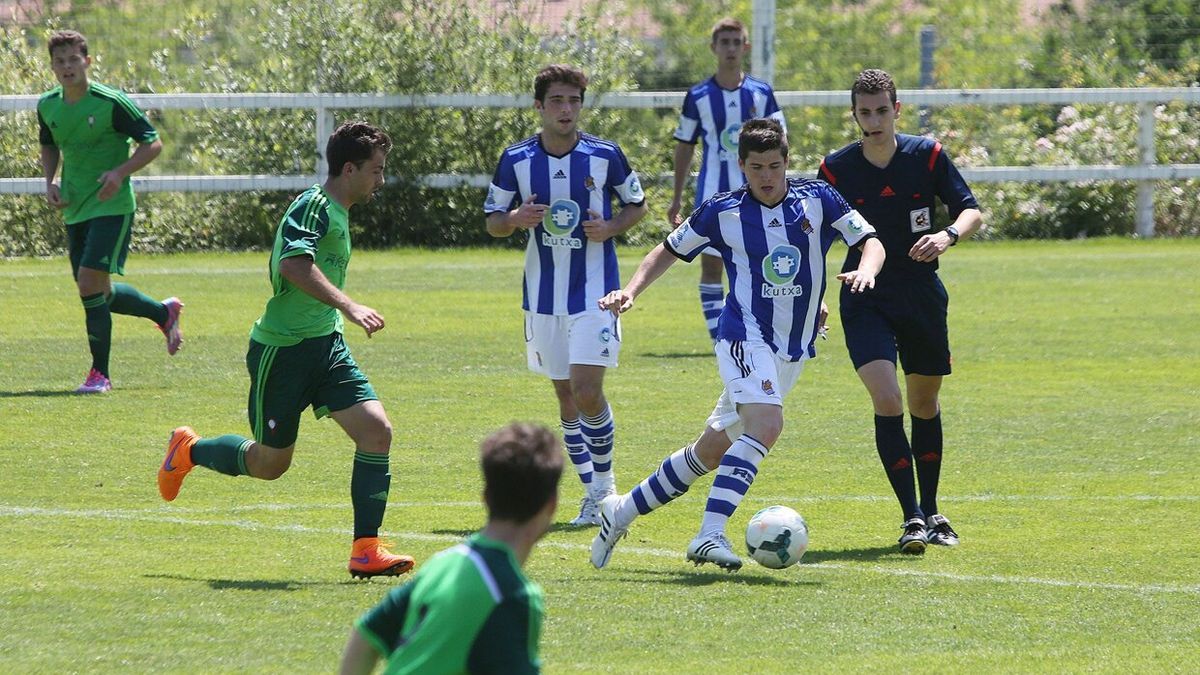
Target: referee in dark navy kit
893 180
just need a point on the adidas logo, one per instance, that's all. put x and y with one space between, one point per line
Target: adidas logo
733 104
887 191
774 223
560 174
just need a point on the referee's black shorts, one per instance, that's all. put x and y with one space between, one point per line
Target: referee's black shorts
905 318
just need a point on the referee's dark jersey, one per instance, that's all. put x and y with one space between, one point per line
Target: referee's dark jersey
898 201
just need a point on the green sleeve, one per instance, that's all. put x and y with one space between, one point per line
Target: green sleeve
508 640
303 226
128 119
383 625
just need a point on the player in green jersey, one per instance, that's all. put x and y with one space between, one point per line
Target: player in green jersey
86 128
471 609
298 358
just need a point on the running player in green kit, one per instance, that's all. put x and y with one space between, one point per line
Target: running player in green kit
297 357
87 127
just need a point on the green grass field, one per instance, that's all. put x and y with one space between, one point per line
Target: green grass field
1071 474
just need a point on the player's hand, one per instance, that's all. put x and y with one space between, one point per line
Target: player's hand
617 302
929 247
596 228
673 216
367 318
110 182
54 196
858 280
822 318
528 214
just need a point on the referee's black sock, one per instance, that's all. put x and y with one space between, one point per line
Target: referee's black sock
927 449
897 456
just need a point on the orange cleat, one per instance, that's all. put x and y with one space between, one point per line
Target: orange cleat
177 463
370 558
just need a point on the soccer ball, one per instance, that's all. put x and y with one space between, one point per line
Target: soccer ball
776 537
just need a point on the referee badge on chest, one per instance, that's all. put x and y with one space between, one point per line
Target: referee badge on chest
919 219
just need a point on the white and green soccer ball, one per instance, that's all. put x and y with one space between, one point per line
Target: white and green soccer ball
776 537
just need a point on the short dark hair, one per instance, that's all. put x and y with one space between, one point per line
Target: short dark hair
354 142
67 38
558 73
872 81
728 23
521 464
762 135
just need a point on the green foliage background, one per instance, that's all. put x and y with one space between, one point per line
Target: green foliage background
426 46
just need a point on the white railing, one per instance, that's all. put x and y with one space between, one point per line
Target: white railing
1146 173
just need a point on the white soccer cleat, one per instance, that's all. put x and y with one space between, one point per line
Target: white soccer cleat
589 511
610 531
714 547
938 531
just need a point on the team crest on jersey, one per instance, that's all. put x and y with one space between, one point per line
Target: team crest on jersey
768 388
779 269
805 225
589 183
920 220
729 138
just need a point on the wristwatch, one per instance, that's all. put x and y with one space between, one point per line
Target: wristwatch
953 232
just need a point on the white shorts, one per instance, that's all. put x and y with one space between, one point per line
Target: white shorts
553 343
752 373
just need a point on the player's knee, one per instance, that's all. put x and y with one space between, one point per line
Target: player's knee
887 403
379 441
925 408
767 430
274 468
589 398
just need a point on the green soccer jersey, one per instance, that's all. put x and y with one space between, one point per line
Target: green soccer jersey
317 226
93 135
469 609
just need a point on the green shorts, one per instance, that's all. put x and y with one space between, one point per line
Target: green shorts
285 380
100 243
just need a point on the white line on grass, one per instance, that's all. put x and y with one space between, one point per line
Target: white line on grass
161 516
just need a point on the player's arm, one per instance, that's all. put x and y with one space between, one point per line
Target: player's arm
359 657
304 274
863 278
524 217
111 180
653 266
683 167
50 159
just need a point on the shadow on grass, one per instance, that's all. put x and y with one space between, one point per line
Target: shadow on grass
748 576
861 554
678 355
461 534
252 584
37 393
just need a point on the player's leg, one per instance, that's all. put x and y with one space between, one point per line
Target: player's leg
712 291
593 346
125 299
871 342
756 382
547 353
346 395
91 265
279 392
924 347
673 477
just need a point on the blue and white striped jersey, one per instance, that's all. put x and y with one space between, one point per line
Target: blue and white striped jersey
565 272
775 259
715 116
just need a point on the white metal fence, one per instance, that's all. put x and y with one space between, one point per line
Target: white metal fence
1146 173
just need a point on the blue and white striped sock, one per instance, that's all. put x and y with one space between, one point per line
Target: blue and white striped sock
672 478
712 301
577 451
598 437
736 473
